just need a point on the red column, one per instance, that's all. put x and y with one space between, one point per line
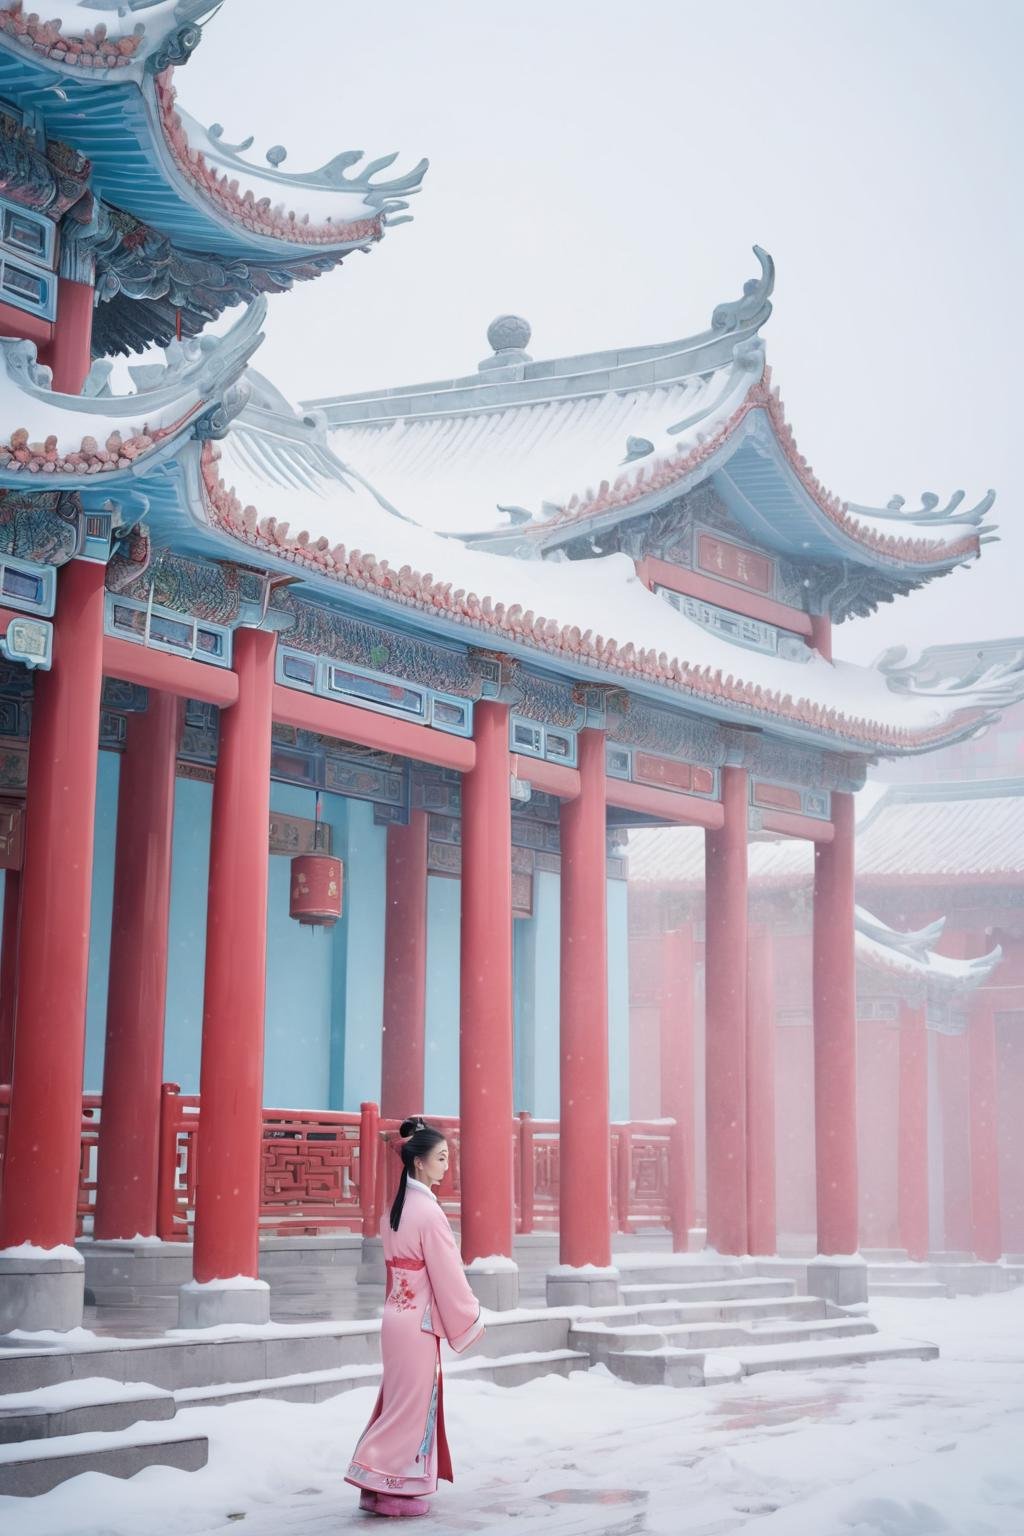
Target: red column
584 1198
913 1132
485 1038
9 970
677 1084
70 352
405 970
835 1035
726 1018
133 1055
44 1133
761 1093
231 1073
986 1224
956 1155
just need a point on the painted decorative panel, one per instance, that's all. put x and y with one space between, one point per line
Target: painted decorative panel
743 566
293 835
12 834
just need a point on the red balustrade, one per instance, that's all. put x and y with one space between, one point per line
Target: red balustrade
324 1170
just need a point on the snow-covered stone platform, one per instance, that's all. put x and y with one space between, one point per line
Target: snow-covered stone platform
685 1320
890 1448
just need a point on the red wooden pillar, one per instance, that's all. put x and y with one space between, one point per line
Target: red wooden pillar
44 1133
9 970
677 1084
761 1094
231 1071
726 1018
913 1132
835 1035
584 1196
133 1059
405 970
485 1039
986 1224
954 1098
70 352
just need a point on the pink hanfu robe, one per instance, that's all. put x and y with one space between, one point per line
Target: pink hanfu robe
403 1449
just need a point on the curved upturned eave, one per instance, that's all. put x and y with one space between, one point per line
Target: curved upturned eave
203 515
837 533
118 125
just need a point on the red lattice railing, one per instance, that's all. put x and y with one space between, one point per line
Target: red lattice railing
325 1170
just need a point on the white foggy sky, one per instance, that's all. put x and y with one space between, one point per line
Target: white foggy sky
603 169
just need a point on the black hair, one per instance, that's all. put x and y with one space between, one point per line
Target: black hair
419 1139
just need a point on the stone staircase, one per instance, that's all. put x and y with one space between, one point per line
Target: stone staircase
721 1323
118 1405
892 1273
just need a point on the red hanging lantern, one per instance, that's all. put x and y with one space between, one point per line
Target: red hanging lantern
316 884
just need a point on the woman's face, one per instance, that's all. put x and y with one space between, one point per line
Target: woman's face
432 1168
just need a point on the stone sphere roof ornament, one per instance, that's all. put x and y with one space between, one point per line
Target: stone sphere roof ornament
509 335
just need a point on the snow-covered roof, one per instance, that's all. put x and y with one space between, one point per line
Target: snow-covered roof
101 78
276 485
524 457
911 958
934 832
938 832
50 441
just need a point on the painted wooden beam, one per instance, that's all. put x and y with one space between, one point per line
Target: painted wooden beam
347 722
667 804
167 673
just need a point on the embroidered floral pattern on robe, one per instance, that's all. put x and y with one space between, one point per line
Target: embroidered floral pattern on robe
402 1295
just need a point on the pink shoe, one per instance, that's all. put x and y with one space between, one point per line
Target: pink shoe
368 1501
400 1504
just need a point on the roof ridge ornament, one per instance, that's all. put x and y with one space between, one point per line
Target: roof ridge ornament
509 335
384 195
896 509
754 307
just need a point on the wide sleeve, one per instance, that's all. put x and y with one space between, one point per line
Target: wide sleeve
457 1311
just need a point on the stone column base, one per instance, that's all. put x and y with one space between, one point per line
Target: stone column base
37 1292
838 1278
583 1287
496 1289
371 1269
223 1301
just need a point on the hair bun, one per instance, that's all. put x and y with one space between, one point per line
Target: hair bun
411 1126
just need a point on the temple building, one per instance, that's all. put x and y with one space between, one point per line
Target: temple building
327 727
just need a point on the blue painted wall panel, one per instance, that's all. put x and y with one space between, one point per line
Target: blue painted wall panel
297 1040
363 943
190 868
105 838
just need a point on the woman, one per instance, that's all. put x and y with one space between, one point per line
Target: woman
403 1450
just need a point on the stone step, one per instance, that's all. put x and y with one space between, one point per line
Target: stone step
671 1366
36 1467
318 1386
974 1278
193 1359
795 1307
900 1272
919 1290
637 1293
814 1354
677 1270
600 1342
76 1407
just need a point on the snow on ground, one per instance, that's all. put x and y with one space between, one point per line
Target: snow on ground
901 1449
